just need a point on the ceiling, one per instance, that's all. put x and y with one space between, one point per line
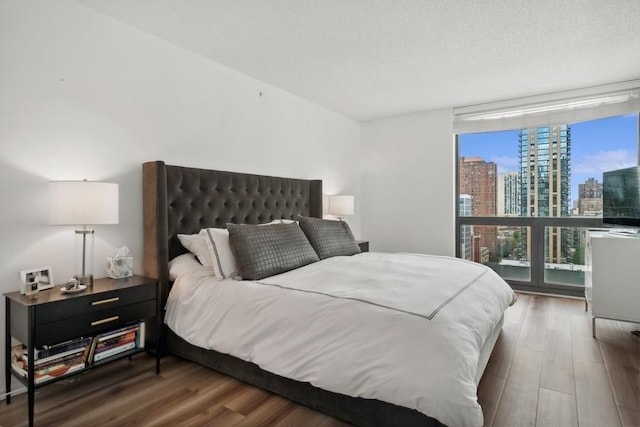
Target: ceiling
370 59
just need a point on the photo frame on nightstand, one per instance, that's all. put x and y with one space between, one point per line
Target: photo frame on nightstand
42 276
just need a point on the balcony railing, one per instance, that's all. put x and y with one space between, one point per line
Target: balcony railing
542 254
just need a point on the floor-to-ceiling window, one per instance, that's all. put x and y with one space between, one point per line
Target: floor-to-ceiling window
527 195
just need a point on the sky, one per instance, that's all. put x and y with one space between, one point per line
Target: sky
596 146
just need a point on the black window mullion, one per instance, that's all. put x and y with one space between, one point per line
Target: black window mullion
537 252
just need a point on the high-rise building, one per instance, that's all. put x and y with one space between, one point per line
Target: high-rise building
545 170
478 178
590 198
509 194
466 231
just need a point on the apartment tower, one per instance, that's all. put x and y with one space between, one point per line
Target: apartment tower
478 179
590 198
466 231
509 194
545 170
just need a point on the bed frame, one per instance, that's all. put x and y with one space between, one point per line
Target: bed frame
182 200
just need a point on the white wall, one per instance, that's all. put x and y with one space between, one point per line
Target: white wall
408 178
84 96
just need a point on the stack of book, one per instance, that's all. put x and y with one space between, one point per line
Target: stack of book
51 362
115 342
61 359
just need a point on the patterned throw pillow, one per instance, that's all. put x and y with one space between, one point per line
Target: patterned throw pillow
264 250
329 238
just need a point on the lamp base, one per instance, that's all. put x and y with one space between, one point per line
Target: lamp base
84 256
86 280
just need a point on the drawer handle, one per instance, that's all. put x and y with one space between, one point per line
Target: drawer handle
107 320
105 301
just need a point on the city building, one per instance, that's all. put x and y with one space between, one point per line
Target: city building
509 194
479 179
545 170
590 198
466 231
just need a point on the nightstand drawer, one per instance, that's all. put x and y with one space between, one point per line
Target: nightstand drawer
92 324
81 305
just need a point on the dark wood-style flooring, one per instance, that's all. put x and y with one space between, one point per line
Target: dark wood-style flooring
546 370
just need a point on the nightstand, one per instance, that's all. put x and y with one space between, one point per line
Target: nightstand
55 317
364 245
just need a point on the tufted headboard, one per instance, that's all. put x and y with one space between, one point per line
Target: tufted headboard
182 200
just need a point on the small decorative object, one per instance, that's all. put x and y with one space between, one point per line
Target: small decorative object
83 203
32 290
120 264
73 286
35 280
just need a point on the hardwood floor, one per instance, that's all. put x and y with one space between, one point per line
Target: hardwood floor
545 370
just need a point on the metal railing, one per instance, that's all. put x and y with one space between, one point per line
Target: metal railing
536 226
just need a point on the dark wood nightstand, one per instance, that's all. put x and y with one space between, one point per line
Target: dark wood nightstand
55 317
364 245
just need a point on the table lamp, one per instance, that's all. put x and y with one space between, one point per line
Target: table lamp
83 203
341 205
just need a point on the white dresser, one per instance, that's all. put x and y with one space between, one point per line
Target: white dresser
612 278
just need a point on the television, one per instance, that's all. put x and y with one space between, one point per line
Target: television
621 197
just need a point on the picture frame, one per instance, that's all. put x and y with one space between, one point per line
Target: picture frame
42 275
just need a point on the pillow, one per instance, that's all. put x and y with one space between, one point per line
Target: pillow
265 250
196 244
285 221
280 221
218 249
184 264
329 238
217 242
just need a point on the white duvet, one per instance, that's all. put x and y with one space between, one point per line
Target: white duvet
402 328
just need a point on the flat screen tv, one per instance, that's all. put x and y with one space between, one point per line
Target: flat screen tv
621 197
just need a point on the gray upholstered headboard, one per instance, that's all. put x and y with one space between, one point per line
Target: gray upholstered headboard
182 200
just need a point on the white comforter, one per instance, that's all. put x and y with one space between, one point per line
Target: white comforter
401 328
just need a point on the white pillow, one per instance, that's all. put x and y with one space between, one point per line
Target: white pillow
184 264
280 221
196 244
224 262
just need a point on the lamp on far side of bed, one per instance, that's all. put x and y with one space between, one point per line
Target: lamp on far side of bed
83 203
341 205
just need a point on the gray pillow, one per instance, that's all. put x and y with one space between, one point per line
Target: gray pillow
265 250
329 238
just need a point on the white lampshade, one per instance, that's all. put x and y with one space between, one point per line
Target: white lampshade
83 203
341 205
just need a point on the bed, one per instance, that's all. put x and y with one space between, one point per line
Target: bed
374 386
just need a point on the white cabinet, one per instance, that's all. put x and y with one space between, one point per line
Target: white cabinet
612 278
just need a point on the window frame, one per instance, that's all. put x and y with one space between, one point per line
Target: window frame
537 226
